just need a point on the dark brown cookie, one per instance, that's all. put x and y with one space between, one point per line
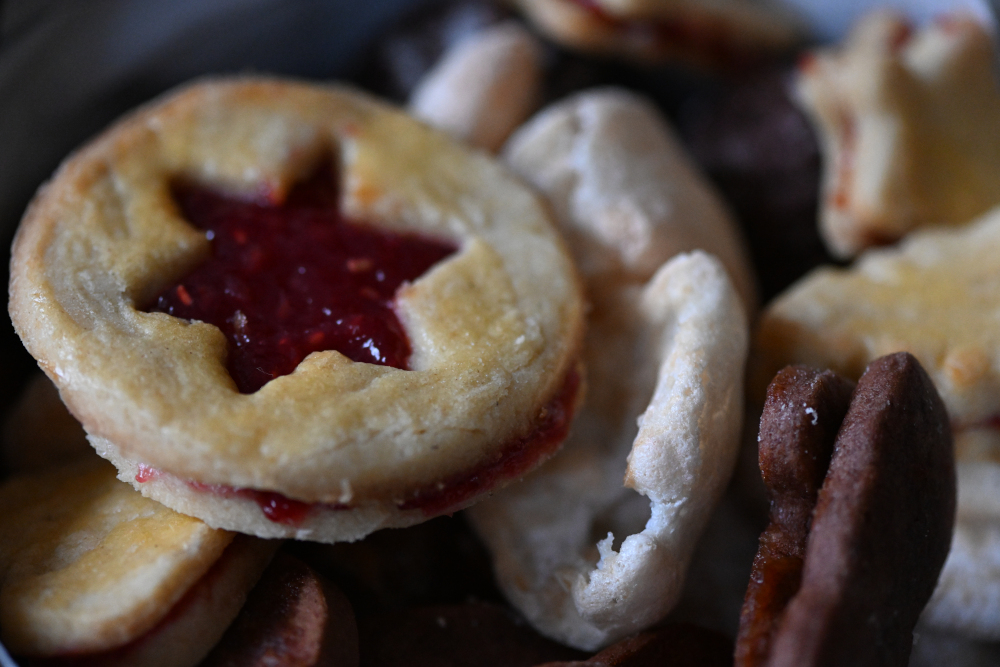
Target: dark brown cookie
881 529
676 645
293 618
763 155
801 418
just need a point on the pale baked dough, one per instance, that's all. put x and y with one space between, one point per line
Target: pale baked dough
935 296
724 33
321 524
490 349
196 624
624 193
910 128
87 564
484 86
595 544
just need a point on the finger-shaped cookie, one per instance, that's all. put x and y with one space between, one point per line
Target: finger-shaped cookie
586 558
176 279
625 195
881 528
910 122
88 566
801 418
483 87
292 618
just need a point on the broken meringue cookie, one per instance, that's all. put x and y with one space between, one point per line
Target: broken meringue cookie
484 86
91 569
910 126
625 195
935 296
673 351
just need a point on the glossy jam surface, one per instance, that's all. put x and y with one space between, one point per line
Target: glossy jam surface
287 280
276 507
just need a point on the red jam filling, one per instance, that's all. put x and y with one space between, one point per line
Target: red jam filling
276 507
514 460
284 280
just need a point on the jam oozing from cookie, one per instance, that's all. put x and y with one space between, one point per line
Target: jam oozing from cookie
275 506
294 278
515 459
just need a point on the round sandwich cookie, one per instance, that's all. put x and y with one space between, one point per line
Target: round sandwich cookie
293 311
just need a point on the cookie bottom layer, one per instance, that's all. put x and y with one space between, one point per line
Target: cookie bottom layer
322 523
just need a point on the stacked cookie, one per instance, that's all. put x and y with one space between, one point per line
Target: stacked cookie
292 311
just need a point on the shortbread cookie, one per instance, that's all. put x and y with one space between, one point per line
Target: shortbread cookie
595 544
193 626
89 567
934 296
730 34
453 383
910 124
484 86
625 195
881 527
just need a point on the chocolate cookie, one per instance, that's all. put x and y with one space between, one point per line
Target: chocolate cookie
802 415
881 527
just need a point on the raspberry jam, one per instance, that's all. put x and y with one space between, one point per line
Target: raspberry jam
285 280
275 506
514 460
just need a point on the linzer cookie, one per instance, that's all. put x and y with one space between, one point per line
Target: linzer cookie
880 530
910 124
93 570
290 310
729 35
802 415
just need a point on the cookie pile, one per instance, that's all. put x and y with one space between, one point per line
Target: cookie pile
289 310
